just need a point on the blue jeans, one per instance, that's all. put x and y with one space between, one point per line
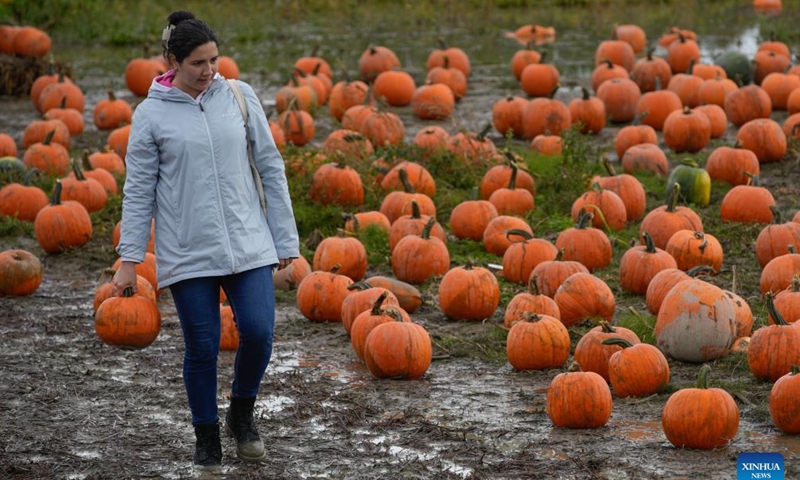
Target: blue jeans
252 298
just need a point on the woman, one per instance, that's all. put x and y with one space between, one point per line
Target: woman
187 167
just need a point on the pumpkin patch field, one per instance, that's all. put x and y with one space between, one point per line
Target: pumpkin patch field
541 239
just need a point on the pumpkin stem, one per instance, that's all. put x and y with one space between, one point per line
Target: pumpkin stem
335 268
606 327
533 286
57 193
795 369
617 341
552 93
407 187
777 215
518 232
586 94
474 193
650 247
532 317
699 270
559 255
482 134
584 220
795 285
703 241
127 292
791 248
416 214
468 265
376 307
600 215
28 178
512 182
773 312
426 232
702 376
442 43
672 197
87 165
609 168
362 285
49 137
76 169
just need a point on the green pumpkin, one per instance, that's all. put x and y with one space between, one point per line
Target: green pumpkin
8 164
737 67
694 181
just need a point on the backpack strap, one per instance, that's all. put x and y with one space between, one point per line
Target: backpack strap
237 93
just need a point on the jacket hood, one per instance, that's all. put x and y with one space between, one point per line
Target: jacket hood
162 89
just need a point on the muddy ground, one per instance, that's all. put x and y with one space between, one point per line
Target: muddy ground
73 408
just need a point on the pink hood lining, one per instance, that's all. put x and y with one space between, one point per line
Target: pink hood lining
166 78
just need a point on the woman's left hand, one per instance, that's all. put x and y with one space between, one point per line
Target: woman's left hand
284 262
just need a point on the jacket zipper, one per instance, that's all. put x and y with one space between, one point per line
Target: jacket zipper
219 193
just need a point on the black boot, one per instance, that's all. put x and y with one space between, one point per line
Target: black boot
207 450
240 424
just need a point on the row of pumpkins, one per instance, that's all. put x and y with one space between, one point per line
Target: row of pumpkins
420 252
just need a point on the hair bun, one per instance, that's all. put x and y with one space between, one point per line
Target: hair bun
178 16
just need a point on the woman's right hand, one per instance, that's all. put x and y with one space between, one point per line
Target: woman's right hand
124 277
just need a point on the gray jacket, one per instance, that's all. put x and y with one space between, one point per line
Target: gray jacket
187 167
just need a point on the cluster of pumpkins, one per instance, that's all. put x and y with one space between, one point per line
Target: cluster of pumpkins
696 321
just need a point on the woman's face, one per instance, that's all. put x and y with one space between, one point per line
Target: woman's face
193 75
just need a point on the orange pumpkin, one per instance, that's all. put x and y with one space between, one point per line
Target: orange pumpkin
617 52
363 298
778 273
433 101
662 222
528 302
415 259
62 225
290 277
537 342
408 295
732 165
337 184
452 56
20 273
585 244
621 97
692 249
469 293
105 290
640 264
687 131
229 332
578 400
495 240
747 204
700 417
646 157
589 112
521 257
413 224
23 200
649 69
346 252
774 239
128 321
747 103
637 370
583 296
592 355
394 87
765 138
774 349
635 134
629 189
784 402
320 295
376 59
111 112
550 274
379 311
608 208
469 218
398 349
787 302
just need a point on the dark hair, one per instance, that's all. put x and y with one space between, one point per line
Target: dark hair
187 34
